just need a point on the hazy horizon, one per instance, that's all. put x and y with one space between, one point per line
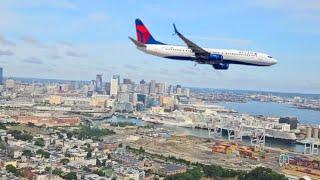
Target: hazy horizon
77 40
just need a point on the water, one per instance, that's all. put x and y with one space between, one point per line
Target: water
137 122
305 116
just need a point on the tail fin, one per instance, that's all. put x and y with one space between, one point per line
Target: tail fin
143 35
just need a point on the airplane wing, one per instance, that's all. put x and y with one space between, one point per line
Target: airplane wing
199 52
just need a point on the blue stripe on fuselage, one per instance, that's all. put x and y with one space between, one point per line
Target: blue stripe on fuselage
224 61
181 58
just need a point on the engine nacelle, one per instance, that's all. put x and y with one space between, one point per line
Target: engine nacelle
221 66
215 57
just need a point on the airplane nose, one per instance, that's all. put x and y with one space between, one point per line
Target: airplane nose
274 61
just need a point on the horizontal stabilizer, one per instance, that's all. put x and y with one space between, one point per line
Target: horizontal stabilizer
137 43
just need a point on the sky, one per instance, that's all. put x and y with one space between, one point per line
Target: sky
75 40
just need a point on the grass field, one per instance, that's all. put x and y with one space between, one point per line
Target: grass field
30 129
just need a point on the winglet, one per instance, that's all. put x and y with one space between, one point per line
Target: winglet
175 29
137 43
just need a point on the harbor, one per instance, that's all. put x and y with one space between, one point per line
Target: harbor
202 133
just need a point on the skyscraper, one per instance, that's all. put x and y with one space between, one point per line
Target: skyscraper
1 76
186 92
107 88
127 81
161 88
98 83
178 90
116 77
142 81
114 83
92 85
152 87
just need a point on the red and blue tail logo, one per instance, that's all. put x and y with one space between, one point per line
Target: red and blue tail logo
143 35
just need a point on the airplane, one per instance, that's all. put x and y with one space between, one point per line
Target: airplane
220 59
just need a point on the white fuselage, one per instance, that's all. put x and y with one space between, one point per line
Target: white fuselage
229 56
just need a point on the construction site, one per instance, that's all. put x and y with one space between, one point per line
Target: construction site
229 152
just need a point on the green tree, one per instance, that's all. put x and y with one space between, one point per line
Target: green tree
30 124
262 173
20 135
86 168
104 162
39 142
191 174
2 146
19 173
86 132
100 173
58 171
141 150
71 176
69 135
89 154
48 169
11 169
64 161
60 136
43 153
27 153
66 154
98 162
3 126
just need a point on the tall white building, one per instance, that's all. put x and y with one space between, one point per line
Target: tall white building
161 88
152 87
186 92
114 87
10 84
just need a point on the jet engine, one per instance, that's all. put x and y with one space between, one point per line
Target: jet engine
215 57
222 66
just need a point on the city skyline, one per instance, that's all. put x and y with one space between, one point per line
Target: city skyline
91 40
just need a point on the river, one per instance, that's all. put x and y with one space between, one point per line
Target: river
305 116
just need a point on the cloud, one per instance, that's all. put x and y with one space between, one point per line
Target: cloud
97 16
5 42
75 54
6 53
102 69
29 40
131 67
54 56
229 41
8 18
65 43
33 41
296 9
62 4
294 5
32 60
188 71
93 18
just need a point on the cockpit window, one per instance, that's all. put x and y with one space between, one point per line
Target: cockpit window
269 56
